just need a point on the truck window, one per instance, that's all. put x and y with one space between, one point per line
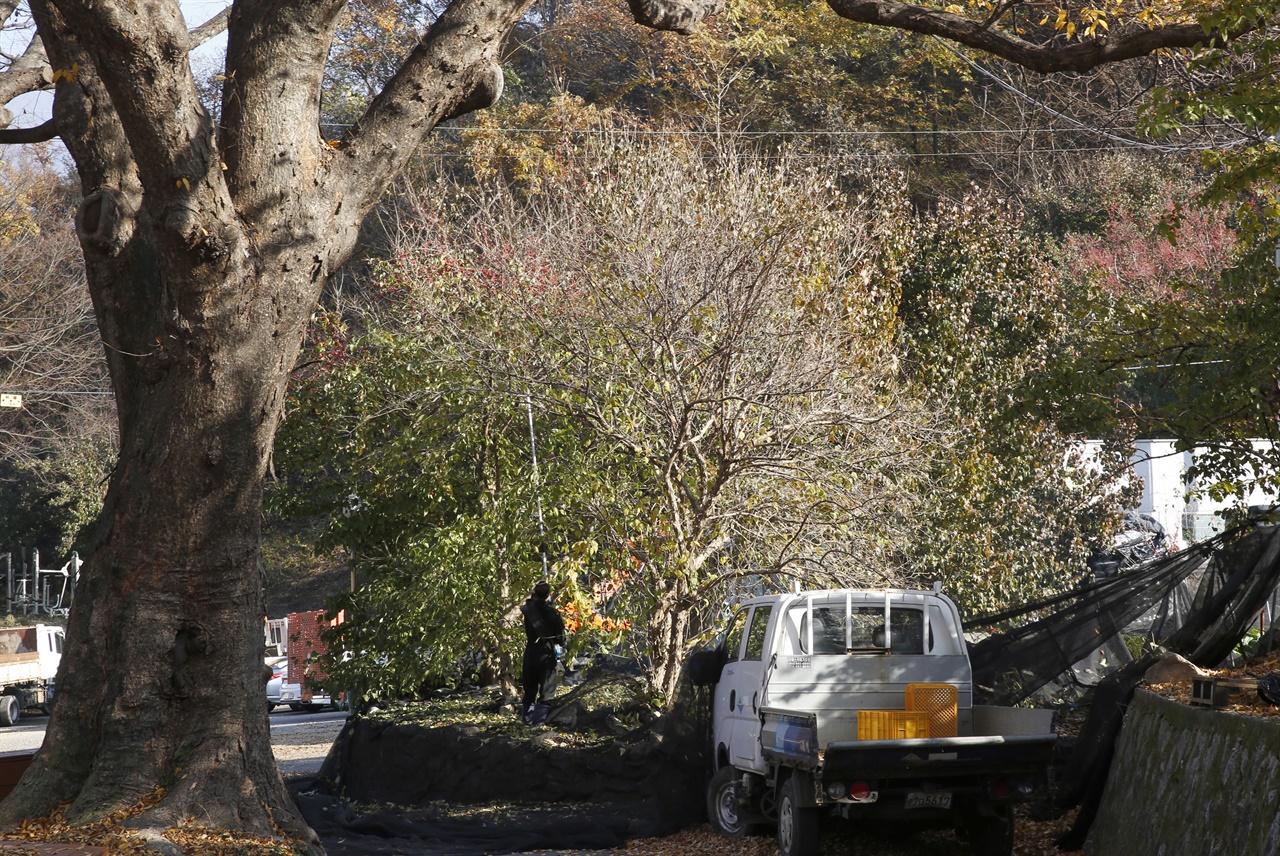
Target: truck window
828 630
906 630
755 636
733 636
865 633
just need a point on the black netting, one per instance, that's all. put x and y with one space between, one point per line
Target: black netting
1034 644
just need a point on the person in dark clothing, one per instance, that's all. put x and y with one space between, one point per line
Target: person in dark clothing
543 630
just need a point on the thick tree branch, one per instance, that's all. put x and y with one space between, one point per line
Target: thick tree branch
682 16
1075 56
18 136
270 138
452 71
210 28
140 52
30 72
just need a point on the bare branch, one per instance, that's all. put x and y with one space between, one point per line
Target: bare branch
30 72
210 28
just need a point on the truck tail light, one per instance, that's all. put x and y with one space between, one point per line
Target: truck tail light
836 791
1000 788
859 791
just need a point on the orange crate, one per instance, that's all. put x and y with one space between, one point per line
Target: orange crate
892 724
939 701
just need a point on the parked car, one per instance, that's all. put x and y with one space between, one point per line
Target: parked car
280 691
279 671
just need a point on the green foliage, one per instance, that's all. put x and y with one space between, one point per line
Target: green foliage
1015 505
1194 362
1136 644
421 463
1248 644
49 502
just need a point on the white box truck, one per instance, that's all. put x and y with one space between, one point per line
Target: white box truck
29 658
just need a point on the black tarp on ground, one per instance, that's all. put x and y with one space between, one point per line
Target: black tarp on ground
348 831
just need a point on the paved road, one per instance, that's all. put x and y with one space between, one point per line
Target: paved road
300 740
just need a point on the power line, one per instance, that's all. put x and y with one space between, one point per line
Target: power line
693 132
1125 141
887 154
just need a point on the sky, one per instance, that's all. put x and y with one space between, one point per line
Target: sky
36 107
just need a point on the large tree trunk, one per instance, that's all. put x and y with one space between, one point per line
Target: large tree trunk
166 685
164 679
206 247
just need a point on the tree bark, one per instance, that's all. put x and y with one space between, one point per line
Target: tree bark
206 249
668 636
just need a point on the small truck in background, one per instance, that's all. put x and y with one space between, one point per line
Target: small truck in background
860 704
29 658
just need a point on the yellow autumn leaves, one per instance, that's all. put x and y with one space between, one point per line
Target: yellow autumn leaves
1085 21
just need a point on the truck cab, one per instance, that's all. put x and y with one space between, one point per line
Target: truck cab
827 653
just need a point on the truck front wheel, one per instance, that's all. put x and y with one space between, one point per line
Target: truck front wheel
992 835
726 814
10 710
797 823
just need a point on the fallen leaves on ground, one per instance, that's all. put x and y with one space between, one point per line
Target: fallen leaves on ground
1034 838
1246 702
109 832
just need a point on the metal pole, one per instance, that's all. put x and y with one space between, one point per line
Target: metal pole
537 484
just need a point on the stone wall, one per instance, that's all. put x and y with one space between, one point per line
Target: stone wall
1190 782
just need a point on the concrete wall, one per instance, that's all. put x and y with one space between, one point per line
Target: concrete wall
1190 782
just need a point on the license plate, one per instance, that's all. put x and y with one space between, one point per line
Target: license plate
929 799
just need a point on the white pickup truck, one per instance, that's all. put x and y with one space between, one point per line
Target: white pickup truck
29 658
817 709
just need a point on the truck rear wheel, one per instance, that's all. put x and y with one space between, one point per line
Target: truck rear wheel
726 814
797 823
10 710
992 835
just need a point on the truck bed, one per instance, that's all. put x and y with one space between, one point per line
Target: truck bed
945 756
791 738
16 668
